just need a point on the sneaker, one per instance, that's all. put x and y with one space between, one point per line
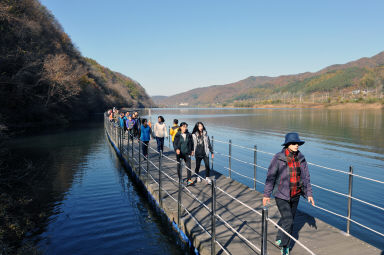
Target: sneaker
278 242
284 251
189 182
198 179
208 180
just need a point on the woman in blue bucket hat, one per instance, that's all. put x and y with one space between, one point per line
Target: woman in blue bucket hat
287 179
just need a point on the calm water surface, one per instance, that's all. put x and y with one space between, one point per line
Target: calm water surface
334 138
91 204
93 208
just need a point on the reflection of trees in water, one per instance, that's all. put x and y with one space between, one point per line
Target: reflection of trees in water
35 174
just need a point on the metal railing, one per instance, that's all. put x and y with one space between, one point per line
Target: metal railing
350 182
116 134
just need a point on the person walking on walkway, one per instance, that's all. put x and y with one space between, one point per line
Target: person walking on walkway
130 123
184 147
160 132
136 125
288 178
174 129
145 136
126 115
201 148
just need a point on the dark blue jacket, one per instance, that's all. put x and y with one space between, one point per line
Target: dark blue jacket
277 181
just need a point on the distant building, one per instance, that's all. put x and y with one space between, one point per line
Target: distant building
183 104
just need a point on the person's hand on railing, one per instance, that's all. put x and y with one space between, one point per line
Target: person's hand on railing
266 200
310 200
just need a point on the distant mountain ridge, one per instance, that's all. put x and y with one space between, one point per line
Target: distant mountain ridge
365 73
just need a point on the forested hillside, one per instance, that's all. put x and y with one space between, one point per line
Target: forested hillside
356 81
43 77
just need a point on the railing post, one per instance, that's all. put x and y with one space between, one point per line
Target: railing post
264 230
229 158
140 145
128 145
213 149
179 193
213 218
160 197
132 160
254 166
147 163
349 198
120 138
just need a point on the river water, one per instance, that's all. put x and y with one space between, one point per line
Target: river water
335 139
92 207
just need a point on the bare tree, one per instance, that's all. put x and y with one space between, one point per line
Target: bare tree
62 77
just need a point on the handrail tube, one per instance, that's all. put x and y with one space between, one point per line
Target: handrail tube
140 146
254 166
212 158
264 230
229 158
213 218
160 197
179 193
349 199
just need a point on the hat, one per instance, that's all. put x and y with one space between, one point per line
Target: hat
292 138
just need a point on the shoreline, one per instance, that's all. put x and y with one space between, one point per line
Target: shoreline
355 106
330 106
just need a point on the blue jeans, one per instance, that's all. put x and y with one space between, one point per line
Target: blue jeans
160 143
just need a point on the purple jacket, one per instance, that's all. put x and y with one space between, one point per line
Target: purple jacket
277 181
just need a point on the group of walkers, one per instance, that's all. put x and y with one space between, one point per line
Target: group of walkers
129 122
185 145
287 178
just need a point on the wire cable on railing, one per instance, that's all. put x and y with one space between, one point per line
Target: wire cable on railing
250 178
342 216
237 233
239 201
345 195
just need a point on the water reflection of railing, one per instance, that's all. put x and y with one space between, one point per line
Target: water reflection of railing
350 174
118 136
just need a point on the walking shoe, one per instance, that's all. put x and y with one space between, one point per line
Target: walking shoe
198 179
208 180
284 251
278 242
189 182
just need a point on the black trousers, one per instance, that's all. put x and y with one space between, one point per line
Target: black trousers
160 143
145 148
287 209
187 160
206 163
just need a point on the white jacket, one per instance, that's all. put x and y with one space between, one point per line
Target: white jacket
160 130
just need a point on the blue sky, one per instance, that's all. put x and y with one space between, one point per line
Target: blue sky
171 46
